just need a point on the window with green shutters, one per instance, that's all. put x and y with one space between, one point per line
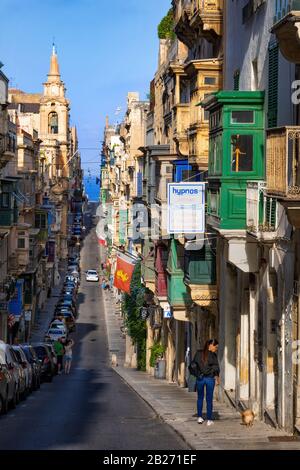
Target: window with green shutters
273 85
271 213
236 80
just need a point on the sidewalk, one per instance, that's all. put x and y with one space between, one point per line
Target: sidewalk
177 407
44 317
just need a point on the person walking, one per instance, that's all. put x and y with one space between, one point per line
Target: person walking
68 355
59 351
208 372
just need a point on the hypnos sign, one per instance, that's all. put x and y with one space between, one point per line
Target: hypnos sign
186 208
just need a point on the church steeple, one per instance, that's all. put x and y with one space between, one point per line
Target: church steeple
53 74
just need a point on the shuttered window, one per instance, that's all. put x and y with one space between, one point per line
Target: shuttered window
236 80
273 85
271 213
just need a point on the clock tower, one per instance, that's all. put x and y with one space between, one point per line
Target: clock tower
54 120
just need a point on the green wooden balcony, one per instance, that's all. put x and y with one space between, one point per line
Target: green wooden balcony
178 296
200 266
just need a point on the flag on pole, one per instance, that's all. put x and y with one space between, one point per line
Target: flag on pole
123 274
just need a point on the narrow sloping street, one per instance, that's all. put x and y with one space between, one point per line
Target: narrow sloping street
92 408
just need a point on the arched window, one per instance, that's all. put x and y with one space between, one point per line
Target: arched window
53 123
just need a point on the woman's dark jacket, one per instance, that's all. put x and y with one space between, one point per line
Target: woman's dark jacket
211 367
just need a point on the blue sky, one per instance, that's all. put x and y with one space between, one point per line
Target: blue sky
105 49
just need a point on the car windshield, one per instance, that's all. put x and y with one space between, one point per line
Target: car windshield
40 351
28 354
93 273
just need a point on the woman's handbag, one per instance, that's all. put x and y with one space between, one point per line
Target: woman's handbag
194 369
192 383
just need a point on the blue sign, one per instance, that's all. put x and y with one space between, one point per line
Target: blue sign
15 305
186 208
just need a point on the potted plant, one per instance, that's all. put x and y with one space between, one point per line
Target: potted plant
157 361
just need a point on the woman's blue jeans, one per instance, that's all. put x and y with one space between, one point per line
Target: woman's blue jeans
209 384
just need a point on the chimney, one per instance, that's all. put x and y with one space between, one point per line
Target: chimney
107 122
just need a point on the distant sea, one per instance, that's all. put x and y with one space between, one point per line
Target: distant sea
91 188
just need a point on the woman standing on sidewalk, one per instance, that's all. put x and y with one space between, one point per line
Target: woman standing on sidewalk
68 355
208 377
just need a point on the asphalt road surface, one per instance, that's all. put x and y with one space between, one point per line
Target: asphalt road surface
92 408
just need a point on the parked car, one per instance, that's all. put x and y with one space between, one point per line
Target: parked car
67 303
22 360
54 356
68 296
8 384
70 293
18 380
73 271
20 371
58 324
74 259
92 275
68 316
54 334
47 364
35 365
71 279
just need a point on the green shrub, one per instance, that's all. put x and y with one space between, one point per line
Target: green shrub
166 26
136 326
157 351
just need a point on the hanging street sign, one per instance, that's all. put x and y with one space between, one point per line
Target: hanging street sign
186 208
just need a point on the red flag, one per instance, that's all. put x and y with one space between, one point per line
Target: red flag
102 241
123 275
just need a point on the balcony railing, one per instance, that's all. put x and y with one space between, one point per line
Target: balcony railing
262 211
283 152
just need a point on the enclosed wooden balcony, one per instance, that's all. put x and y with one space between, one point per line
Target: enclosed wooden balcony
181 125
287 28
178 296
200 274
161 259
283 175
7 149
207 18
182 12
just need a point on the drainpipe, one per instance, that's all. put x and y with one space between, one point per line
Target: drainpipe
297 420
